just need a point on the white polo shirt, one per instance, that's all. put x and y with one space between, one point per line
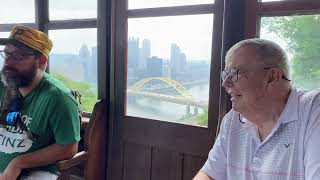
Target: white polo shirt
290 152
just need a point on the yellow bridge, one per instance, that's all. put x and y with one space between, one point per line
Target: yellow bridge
184 96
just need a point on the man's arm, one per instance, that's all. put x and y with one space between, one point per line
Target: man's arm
41 157
312 144
215 166
202 176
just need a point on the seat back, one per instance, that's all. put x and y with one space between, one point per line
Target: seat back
93 157
95 142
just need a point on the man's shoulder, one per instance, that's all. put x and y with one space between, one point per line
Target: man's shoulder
309 105
55 90
307 93
308 98
230 119
54 86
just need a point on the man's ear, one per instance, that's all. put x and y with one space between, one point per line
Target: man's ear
275 76
42 60
272 77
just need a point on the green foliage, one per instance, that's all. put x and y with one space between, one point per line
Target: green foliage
88 95
302 35
202 119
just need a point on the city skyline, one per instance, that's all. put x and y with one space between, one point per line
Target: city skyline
139 43
178 67
162 31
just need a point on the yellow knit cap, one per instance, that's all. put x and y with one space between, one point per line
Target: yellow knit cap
33 38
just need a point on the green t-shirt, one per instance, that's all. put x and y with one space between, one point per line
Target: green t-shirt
49 111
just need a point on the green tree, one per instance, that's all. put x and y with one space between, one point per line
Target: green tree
88 95
202 119
302 35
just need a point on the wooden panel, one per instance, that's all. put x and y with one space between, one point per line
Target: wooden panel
289 7
42 14
250 18
117 84
137 162
191 166
176 137
8 27
73 24
216 92
172 11
166 165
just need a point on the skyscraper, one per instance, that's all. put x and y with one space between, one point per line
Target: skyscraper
178 61
85 60
133 53
145 53
154 67
94 65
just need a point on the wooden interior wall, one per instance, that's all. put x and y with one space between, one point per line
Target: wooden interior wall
143 162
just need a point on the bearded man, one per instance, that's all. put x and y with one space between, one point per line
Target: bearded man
39 117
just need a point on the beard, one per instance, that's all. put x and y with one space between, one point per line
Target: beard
17 79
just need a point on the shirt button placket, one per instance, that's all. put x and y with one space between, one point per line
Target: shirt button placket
256 166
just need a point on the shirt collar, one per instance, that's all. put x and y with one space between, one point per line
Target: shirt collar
290 111
289 114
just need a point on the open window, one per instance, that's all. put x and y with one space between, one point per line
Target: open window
294 25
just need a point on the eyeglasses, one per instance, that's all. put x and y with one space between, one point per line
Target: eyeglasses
233 74
283 77
17 56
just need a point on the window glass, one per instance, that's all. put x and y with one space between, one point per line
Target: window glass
300 37
72 9
1 58
17 11
169 68
3 35
137 4
73 60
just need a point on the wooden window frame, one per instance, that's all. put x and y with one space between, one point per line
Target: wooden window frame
276 8
200 137
43 23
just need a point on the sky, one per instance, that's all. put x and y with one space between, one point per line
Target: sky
70 41
191 33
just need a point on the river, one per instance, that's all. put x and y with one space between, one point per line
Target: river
166 111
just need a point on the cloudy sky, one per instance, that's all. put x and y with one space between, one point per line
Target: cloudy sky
191 33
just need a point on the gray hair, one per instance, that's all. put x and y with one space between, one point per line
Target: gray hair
269 53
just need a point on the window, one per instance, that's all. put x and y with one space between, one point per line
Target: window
4 34
17 11
73 60
137 4
72 9
299 36
169 61
1 58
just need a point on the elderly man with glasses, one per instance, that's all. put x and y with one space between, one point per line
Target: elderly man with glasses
39 118
272 130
